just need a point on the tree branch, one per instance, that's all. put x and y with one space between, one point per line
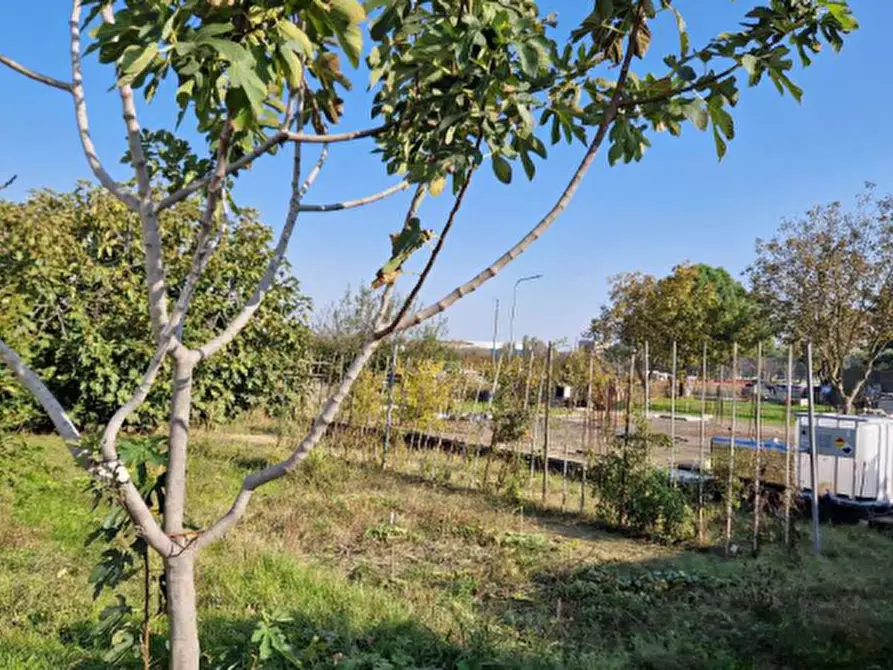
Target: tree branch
351 204
80 113
241 320
36 76
414 293
303 449
110 469
47 400
570 190
283 135
694 86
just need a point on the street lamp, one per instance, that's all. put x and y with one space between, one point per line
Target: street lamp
514 306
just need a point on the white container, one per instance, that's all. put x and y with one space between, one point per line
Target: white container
855 455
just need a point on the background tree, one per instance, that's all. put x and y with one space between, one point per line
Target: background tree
693 304
827 277
452 78
71 282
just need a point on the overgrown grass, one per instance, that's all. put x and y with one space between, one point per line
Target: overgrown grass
385 570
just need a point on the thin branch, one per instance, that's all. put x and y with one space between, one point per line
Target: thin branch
414 293
110 469
694 86
352 204
273 140
298 191
36 76
80 113
563 201
303 449
205 242
9 182
334 138
44 396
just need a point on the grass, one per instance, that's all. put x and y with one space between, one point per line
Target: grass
377 569
771 413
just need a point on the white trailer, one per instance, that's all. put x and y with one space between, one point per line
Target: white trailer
855 459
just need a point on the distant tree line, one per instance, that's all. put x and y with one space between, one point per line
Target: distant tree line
825 277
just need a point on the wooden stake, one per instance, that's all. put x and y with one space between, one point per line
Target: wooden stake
546 426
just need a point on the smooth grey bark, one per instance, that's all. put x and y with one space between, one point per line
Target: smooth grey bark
181 611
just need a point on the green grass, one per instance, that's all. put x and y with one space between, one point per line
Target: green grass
770 412
386 570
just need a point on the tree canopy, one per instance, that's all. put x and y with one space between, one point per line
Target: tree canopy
71 279
826 277
694 305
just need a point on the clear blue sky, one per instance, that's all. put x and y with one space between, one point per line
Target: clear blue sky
678 204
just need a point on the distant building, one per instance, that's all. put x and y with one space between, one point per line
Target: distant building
481 345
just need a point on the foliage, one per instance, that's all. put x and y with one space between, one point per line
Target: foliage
341 327
424 391
693 305
71 283
629 491
826 278
366 400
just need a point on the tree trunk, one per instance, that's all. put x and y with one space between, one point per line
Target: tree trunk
181 612
179 574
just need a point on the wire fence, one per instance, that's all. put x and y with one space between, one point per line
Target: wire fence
572 432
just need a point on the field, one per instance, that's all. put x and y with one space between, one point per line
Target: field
364 568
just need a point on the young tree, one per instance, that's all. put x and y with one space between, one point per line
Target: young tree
827 277
452 78
693 304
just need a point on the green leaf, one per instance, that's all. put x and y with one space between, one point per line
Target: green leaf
502 169
294 68
351 41
292 32
721 146
684 39
350 11
230 51
243 77
722 119
133 61
529 166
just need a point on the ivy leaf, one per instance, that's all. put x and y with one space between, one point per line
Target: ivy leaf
502 169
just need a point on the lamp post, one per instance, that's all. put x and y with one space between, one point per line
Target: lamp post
514 307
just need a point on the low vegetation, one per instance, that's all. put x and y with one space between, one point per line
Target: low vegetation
349 566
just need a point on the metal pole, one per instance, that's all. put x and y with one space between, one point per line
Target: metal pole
758 419
673 414
813 455
702 428
587 432
495 333
514 305
787 449
389 415
647 381
731 488
546 427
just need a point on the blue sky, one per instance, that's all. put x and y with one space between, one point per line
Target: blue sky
678 204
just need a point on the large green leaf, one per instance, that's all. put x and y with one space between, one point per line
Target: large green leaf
134 60
502 169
